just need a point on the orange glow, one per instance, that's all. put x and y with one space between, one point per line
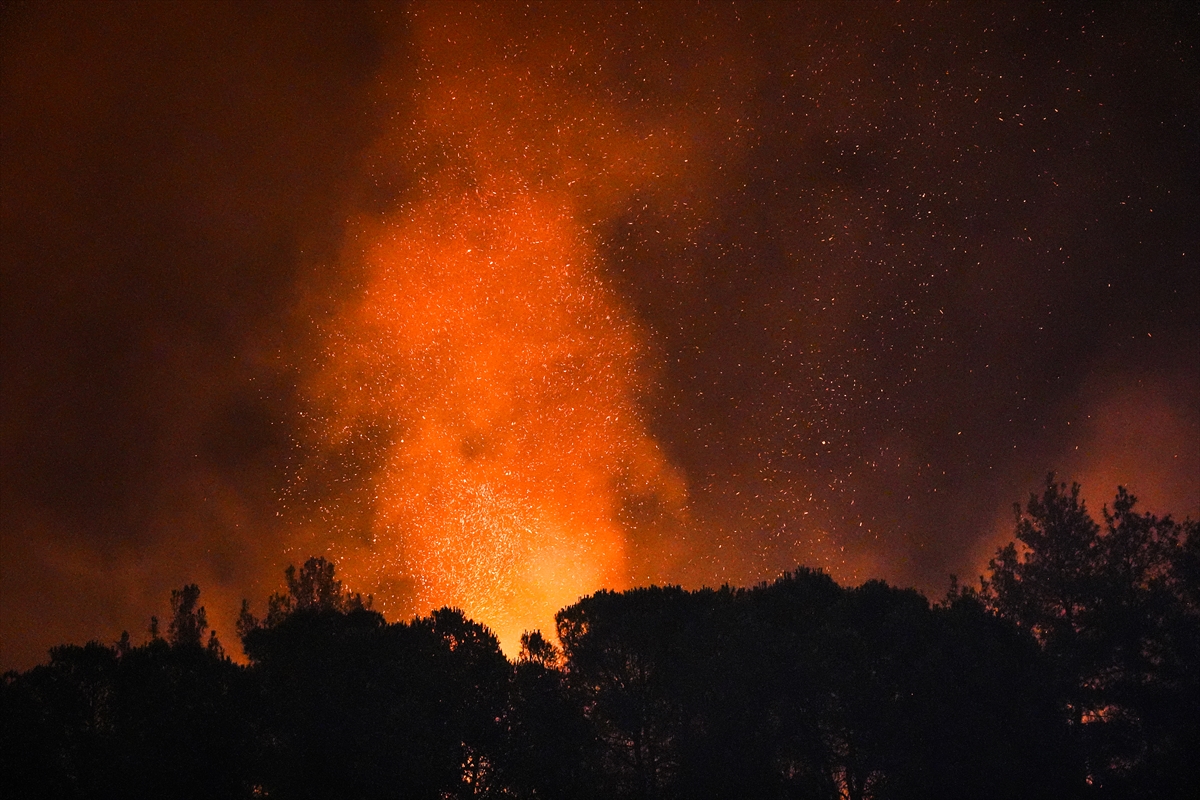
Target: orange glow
1137 434
495 374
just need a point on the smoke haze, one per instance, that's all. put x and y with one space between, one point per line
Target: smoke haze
497 305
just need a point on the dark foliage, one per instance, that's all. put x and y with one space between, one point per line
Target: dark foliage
166 719
1072 672
1115 609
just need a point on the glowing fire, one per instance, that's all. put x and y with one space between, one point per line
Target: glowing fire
483 353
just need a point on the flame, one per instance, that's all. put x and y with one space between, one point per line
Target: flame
494 375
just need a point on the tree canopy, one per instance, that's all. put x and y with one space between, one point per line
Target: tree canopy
1113 606
1071 671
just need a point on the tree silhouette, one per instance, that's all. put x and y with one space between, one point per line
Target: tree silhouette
620 650
802 688
356 707
1071 672
164 719
1114 609
550 748
188 620
313 588
537 649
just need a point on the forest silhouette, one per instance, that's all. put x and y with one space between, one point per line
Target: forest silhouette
1071 670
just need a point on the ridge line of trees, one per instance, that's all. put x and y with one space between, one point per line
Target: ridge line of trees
1072 670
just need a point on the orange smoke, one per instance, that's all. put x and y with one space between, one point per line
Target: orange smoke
493 375
1138 434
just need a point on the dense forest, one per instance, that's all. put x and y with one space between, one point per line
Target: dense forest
1071 670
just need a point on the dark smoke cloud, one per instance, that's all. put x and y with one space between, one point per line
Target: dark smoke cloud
168 170
959 232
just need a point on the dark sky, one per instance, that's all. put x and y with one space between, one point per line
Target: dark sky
500 305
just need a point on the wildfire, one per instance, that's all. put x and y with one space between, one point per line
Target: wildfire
493 370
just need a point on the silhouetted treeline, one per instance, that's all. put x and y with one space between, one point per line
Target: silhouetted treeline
1070 672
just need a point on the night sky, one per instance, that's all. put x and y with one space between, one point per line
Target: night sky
500 305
